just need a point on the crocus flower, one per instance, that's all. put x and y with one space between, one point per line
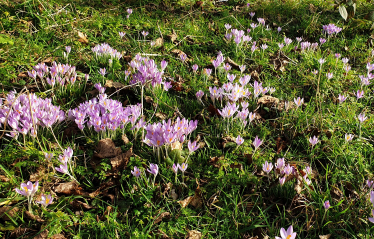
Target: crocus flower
48 156
46 200
192 147
145 33
29 189
329 75
321 61
199 94
267 167
239 140
289 234
369 183
183 167
153 169
313 141
361 117
175 168
322 40
314 72
279 29
227 26
371 219
342 98
122 34
252 14
326 204
129 11
288 169
345 60
360 94
102 71
68 49
299 101
167 85
282 180
348 137
280 164
136 172
183 56
195 67
242 68
257 142
63 168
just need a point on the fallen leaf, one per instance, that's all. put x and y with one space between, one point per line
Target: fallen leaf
232 63
197 200
120 162
113 84
161 115
42 235
174 195
48 60
20 233
325 236
184 203
216 161
298 185
58 236
193 234
159 42
173 36
6 212
4 178
106 149
78 205
103 187
69 188
268 101
82 37
125 139
161 216
176 145
33 217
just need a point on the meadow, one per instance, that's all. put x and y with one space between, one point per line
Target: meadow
244 119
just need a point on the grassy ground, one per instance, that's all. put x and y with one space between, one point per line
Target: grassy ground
224 193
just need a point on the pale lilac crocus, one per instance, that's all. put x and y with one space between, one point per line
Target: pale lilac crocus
183 167
307 180
370 184
242 68
280 164
145 33
28 190
321 61
329 75
192 147
46 200
194 68
322 40
63 168
315 72
257 142
267 167
345 60
279 29
289 234
239 140
288 169
48 156
129 12
348 137
372 197
252 14
122 34
299 101
183 57
342 98
313 141
175 168
136 172
326 204
361 117
102 71
282 180
360 94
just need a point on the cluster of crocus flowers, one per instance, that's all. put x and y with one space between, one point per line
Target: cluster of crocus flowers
238 36
24 114
65 160
331 29
146 70
29 189
58 74
182 167
103 114
153 169
105 52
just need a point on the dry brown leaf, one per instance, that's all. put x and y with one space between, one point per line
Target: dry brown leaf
298 185
58 236
6 212
177 52
161 216
4 178
38 175
325 236
268 101
42 235
78 205
125 139
193 234
184 203
93 92
33 217
161 115
48 60
174 195
121 161
159 42
69 188
232 63
197 200
115 84
216 161
19 233
176 145
82 37
103 188
106 149
173 36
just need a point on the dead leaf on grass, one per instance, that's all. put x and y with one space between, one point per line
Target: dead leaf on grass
125 139
69 188
4 178
102 189
33 217
82 37
268 101
216 161
176 145
58 236
78 205
232 63
173 36
193 234
299 184
325 236
120 162
20 233
113 84
174 195
161 115
42 235
163 215
107 149
159 42
6 212
195 200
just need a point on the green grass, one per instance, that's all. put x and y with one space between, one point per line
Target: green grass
237 199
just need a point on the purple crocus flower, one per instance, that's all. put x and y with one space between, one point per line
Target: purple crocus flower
326 204
348 137
279 29
164 64
100 88
175 168
321 61
102 71
282 180
48 156
329 75
288 169
289 234
153 169
242 68
199 94
136 172
257 143
183 57
360 94
342 98
313 141
192 147
145 33
370 184
68 49
46 200
267 167
322 40
280 164
167 85
183 167
195 67
239 140
28 189
252 14
122 34
361 117
227 26
63 168
299 101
